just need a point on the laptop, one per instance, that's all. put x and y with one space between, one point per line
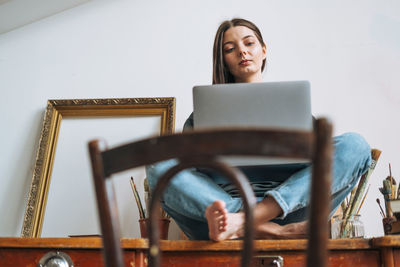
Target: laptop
284 105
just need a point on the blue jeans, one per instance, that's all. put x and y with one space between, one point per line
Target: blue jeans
191 192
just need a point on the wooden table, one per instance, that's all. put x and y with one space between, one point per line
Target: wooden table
382 251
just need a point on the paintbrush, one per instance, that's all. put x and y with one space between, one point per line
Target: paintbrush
349 201
392 183
387 195
398 192
362 202
137 198
382 190
379 203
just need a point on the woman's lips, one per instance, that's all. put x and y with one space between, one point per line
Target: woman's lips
244 62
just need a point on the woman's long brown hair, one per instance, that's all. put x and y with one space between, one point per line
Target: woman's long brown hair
221 73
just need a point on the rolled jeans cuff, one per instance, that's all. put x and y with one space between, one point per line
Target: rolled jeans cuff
278 198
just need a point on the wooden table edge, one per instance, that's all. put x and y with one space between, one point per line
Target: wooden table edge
180 245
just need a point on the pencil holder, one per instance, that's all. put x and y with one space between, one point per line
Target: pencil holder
163 224
347 228
391 225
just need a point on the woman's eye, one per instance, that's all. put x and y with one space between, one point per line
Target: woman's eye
228 50
250 43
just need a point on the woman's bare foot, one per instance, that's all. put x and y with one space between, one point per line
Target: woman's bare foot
272 230
221 224
224 226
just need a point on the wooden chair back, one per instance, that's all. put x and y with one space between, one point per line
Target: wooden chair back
202 149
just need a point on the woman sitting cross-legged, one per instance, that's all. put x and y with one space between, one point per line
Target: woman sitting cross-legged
205 206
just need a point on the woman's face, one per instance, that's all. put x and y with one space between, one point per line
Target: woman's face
243 54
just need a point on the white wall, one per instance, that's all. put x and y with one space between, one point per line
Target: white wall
349 50
16 13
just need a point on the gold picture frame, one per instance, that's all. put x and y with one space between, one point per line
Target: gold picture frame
77 108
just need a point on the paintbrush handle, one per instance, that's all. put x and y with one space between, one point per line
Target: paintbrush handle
380 206
138 203
362 202
346 211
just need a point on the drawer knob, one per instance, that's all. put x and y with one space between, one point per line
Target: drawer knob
55 259
266 260
276 263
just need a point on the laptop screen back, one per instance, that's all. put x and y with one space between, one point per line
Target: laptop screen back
284 105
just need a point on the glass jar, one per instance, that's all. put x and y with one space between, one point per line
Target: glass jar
347 228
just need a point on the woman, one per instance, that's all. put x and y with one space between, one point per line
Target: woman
206 208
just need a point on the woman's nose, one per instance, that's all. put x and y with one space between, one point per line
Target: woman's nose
242 51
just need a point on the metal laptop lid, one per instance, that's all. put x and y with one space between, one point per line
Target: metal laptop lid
285 105
274 104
